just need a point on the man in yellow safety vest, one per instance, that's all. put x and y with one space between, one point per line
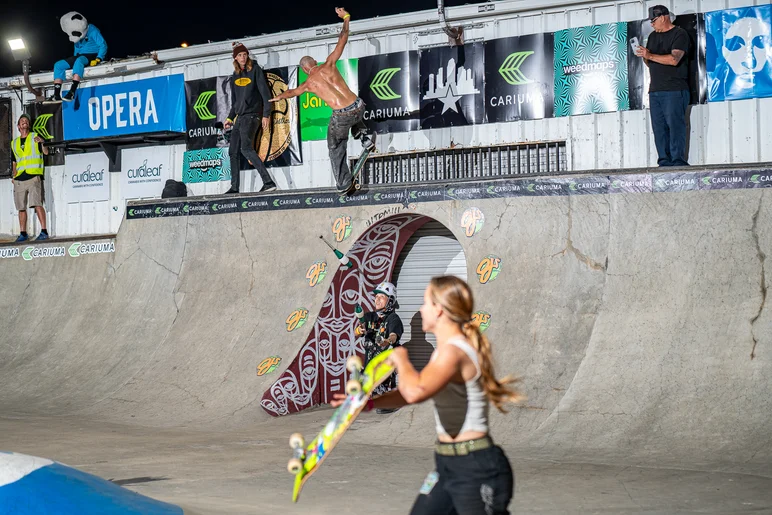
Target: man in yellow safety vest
28 151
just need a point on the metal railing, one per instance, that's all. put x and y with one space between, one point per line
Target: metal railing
466 163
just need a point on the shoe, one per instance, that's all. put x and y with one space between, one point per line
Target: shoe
268 186
368 142
230 192
54 98
42 236
386 411
21 238
69 97
346 189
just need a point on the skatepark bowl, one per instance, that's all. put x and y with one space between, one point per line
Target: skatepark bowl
175 358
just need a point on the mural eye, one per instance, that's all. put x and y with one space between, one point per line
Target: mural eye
761 41
734 44
350 296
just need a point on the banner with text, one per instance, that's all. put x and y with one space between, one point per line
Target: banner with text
390 91
144 171
519 80
739 53
314 112
280 145
206 165
452 86
591 69
134 107
208 102
86 177
47 123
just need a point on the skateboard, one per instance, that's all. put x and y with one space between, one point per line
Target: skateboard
307 459
358 166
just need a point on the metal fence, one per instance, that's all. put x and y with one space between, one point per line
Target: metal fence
466 163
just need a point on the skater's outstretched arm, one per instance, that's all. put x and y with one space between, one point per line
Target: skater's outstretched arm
290 93
342 39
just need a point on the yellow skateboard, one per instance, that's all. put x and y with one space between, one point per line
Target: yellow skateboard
307 459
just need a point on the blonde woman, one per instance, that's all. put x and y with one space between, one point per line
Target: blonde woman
473 476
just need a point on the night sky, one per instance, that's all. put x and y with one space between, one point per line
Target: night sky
145 26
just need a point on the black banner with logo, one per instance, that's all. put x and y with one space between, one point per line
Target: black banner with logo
208 102
638 73
452 86
280 145
471 190
388 84
47 123
519 78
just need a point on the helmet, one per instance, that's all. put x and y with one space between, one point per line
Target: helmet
387 289
390 291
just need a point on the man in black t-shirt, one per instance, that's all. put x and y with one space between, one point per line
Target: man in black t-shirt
382 329
665 55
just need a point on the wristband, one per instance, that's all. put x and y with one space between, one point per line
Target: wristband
347 16
369 405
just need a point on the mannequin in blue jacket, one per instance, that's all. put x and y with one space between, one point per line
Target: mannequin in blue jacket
90 50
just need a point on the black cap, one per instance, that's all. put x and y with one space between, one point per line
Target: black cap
24 115
657 11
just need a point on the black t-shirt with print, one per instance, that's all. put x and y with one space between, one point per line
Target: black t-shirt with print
391 323
665 77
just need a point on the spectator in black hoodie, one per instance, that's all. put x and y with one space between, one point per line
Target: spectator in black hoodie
249 100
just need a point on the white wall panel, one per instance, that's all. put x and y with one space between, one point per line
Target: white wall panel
725 132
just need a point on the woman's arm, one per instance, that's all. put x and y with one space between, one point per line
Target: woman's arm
417 387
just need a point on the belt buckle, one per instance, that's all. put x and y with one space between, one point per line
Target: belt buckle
461 449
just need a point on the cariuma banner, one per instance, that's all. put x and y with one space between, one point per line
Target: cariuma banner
389 86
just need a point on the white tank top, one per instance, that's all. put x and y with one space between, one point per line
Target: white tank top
462 407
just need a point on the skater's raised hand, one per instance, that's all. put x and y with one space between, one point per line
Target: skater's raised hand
341 12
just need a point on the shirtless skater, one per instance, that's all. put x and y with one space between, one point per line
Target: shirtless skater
326 82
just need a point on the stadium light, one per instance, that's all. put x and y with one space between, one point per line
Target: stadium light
19 49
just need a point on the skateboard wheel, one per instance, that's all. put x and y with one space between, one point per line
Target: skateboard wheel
296 441
353 387
294 466
353 363
357 186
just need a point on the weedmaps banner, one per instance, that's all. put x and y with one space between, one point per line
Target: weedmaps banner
206 165
739 53
519 81
452 86
390 91
280 145
314 112
591 69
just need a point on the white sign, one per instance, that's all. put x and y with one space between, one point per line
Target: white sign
86 177
144 171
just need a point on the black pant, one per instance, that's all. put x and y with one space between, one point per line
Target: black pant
480 483
668 121
343 120
242 139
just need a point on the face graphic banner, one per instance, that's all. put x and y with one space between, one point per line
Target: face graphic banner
591 69
739 53
452 86
390 89
519 78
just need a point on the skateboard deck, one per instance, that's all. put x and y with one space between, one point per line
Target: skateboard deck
307 460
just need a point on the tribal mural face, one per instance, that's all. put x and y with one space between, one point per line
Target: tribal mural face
319 369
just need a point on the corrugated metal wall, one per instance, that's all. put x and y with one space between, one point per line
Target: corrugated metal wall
599 141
